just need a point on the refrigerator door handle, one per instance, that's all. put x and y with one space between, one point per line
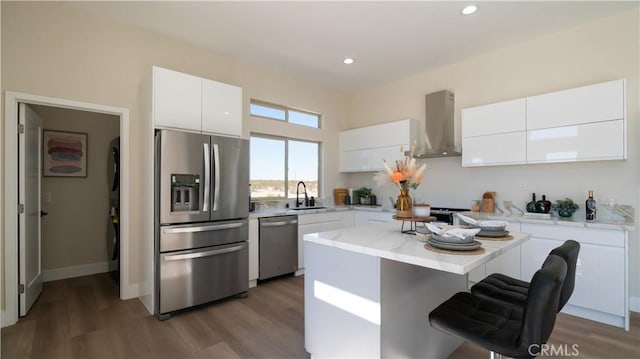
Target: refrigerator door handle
216 227
207 170
216 178
215 252
279 223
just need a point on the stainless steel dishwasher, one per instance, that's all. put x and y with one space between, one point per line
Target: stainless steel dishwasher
278 246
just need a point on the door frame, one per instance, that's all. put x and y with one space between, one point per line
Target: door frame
11 100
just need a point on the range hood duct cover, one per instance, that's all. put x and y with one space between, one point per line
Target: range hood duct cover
439 136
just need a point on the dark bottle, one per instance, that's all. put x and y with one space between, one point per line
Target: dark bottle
531 206
543 206
590 207
312 202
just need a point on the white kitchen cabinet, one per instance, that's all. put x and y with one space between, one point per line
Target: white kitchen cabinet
363 218
254 248
585 142
320 222
363 149
191 103
498 149
221 108
601 285
581 124
177 100
494 134
586 104
507 264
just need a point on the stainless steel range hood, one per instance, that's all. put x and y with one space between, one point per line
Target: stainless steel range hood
439 133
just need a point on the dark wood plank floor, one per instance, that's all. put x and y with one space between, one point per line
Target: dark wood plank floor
83 318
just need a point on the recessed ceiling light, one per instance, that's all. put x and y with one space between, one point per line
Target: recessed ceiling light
470 9
348 61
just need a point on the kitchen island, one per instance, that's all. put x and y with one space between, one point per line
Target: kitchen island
369 290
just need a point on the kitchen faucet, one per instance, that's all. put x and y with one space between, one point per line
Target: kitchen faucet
306 199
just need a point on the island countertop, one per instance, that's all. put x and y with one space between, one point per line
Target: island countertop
384 240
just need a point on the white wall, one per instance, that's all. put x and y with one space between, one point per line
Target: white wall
603 50
58 51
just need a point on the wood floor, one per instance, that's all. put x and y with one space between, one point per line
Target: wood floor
83 318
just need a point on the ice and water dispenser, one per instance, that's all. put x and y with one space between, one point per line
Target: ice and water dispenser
185 193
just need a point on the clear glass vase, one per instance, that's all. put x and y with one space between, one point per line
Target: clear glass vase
404 204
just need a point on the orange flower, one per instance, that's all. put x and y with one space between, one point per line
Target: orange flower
397 177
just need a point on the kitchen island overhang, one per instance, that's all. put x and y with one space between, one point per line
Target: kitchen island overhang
369 290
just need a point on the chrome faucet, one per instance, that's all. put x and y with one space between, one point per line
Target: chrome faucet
306 199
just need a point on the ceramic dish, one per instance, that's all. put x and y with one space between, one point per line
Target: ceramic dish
492 225
493 234
454 240
453 247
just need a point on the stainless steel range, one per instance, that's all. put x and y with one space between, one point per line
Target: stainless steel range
201 235
447 215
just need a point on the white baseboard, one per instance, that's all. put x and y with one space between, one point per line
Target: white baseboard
74 271
4 321
634 304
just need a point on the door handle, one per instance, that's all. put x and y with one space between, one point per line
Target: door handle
205 205
43 213
215 252
216 178
215 227
279 223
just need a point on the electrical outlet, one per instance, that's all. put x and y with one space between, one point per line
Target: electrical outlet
522 185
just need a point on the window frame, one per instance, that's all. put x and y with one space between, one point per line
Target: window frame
286 163
286 110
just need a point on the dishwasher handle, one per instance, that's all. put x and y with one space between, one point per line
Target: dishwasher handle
278 223
214 252
215 227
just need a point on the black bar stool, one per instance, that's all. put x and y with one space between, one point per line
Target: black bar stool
512 291
502 328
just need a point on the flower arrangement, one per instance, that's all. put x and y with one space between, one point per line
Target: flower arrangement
405 173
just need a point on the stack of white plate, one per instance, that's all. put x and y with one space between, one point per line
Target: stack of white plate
493 229
454 243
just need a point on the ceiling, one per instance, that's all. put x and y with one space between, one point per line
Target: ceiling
388 40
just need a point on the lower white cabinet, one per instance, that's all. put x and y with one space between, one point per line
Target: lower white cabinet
507 264
601 285
363 218
320 222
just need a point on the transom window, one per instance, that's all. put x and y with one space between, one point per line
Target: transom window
279 163
283 113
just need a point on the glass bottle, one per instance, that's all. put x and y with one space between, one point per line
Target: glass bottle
543 206
590 208
531 206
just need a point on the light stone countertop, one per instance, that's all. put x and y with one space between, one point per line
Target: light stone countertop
573 221
384 240
271 212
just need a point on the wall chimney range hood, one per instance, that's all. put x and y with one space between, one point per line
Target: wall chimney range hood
439 136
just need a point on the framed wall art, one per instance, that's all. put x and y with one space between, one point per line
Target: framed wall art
64 154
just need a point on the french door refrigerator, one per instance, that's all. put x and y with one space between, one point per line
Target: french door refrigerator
201 235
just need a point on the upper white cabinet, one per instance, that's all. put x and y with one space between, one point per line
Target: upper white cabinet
221 108
581 124
177 99
363 149
186 102
587 104
490 129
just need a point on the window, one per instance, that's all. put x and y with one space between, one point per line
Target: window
278 164
283 113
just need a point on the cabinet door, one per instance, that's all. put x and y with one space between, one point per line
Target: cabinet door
593 141
500 149
396 134
177 100
507 264
356 139
502 117
221 108
594 103
533 253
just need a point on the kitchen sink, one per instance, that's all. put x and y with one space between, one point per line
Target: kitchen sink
304 208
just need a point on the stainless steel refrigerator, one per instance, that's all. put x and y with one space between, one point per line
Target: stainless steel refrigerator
201 237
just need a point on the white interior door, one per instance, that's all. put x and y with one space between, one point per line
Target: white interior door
29 184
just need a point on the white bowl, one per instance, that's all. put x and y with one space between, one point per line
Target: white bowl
421 211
